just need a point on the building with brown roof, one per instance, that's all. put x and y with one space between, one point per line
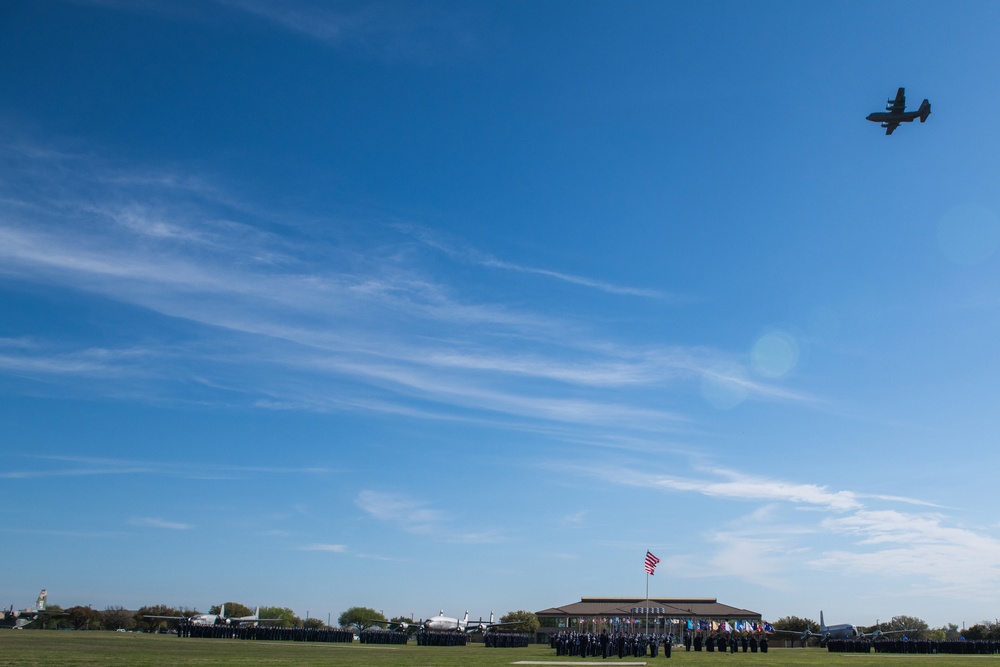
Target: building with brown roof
658 615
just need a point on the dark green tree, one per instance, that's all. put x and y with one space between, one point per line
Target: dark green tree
232 609
951 632
313 624
118 618
83 618
911 626
53 620
361 618
286 617
977 631
143 622
525 621
795 623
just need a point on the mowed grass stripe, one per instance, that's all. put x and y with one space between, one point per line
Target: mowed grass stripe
45 648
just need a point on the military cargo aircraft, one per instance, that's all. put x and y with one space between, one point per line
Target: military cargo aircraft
213 619
442 623
895 113
840 631
22 617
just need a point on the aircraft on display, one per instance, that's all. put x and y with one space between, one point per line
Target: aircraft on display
895 113
840 631
214 619
22 617
442 623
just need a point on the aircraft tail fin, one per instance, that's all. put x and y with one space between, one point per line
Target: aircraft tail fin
924 110
822 624
42 599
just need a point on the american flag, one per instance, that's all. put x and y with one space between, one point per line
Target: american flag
651 562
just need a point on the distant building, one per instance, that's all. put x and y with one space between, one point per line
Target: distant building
658 615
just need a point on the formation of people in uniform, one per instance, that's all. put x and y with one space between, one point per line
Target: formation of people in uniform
918 646
370 636
734 642
608 644
382 636
264 633
439 638
506 639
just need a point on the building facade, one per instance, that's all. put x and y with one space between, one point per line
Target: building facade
647 615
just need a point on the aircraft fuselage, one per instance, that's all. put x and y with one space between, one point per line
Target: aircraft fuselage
890 117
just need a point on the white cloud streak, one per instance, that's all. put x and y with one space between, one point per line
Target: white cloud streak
151 522
337 321
886 543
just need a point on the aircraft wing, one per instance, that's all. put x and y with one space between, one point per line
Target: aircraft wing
880 633
889 127
898 105
802 633
475 626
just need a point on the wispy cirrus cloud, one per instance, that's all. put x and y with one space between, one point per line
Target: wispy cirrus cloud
327 548
472 256
851 538
422 518
153 522
73 466
349 319
412 515
384 29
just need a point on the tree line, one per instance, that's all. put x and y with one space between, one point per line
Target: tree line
915 628
118 618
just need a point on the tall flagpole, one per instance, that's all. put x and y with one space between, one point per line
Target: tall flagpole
647 597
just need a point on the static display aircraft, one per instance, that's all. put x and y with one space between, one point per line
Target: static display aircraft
840 631
22 617
213 619
442 623
895 113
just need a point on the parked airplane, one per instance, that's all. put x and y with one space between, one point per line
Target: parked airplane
895 113
442 623
213 619
840 631
20 618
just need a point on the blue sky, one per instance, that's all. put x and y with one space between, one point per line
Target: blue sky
426 306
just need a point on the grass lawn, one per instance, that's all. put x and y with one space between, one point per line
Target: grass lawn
49 648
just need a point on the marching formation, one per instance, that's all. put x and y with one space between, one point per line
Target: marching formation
506 639
721 641
380 636
263 633
606 645
919 646
438 638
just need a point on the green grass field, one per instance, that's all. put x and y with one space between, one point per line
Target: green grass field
70 649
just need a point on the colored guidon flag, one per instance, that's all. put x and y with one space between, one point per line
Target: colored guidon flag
651 562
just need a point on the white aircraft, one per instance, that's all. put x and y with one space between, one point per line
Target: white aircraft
840 631
442 623
213 619
19 618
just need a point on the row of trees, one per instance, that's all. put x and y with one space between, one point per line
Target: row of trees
914 628
365 617
119 618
